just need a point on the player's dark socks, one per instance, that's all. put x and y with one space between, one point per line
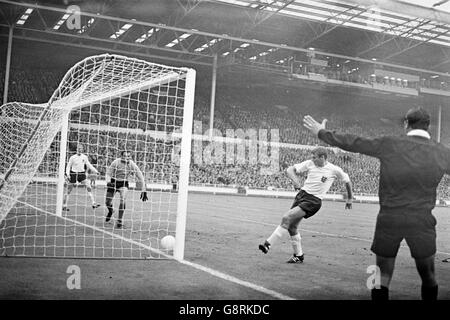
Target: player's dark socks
109 215
119 224
381 294
121 210
429 293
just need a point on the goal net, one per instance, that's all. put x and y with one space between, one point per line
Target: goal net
107 104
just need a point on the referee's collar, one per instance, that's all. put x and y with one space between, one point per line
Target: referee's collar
419 133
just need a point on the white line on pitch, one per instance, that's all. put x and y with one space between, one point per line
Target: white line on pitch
212 272
236 280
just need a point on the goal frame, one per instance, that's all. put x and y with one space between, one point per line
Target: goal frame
189 77
185 157
185 161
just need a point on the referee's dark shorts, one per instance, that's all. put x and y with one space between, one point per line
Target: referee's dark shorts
307 202
417 228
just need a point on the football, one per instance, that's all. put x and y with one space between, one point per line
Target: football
168 242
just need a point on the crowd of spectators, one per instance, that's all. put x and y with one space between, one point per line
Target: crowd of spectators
362 170
133 117
280 110
30 87
154 156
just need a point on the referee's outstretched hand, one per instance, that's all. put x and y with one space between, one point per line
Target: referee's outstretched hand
312 125
144 196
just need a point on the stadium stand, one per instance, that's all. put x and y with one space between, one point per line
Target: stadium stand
237 108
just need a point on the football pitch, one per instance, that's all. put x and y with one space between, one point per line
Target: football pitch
222 260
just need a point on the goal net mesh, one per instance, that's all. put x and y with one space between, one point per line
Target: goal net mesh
110 104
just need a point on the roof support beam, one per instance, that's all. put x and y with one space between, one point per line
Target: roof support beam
405 9
102 49
80 38
188 7
207 34
383 38
2 14
447 60
354 12
411 46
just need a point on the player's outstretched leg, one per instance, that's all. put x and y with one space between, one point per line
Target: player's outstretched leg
293 216
276 236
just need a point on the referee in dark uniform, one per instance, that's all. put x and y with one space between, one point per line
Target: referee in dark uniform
411 167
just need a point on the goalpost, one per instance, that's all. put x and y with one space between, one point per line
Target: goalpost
107 103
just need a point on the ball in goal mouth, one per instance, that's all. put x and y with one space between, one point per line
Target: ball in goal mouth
168 242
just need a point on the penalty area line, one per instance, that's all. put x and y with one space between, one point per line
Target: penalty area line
212 272
227 277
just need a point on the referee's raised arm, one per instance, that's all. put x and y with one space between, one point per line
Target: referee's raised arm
347 142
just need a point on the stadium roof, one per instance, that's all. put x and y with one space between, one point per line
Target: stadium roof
412 36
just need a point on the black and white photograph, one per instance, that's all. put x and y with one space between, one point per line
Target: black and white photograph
230 157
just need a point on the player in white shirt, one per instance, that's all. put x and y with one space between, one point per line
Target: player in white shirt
76 172
320 176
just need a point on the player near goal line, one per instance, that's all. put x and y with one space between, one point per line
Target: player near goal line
76 172
320 176
117 176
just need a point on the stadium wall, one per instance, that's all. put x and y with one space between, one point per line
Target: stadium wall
243 191
287 194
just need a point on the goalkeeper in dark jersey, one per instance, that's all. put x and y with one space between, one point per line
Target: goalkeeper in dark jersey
117 176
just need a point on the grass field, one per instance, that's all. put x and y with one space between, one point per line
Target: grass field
222 260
